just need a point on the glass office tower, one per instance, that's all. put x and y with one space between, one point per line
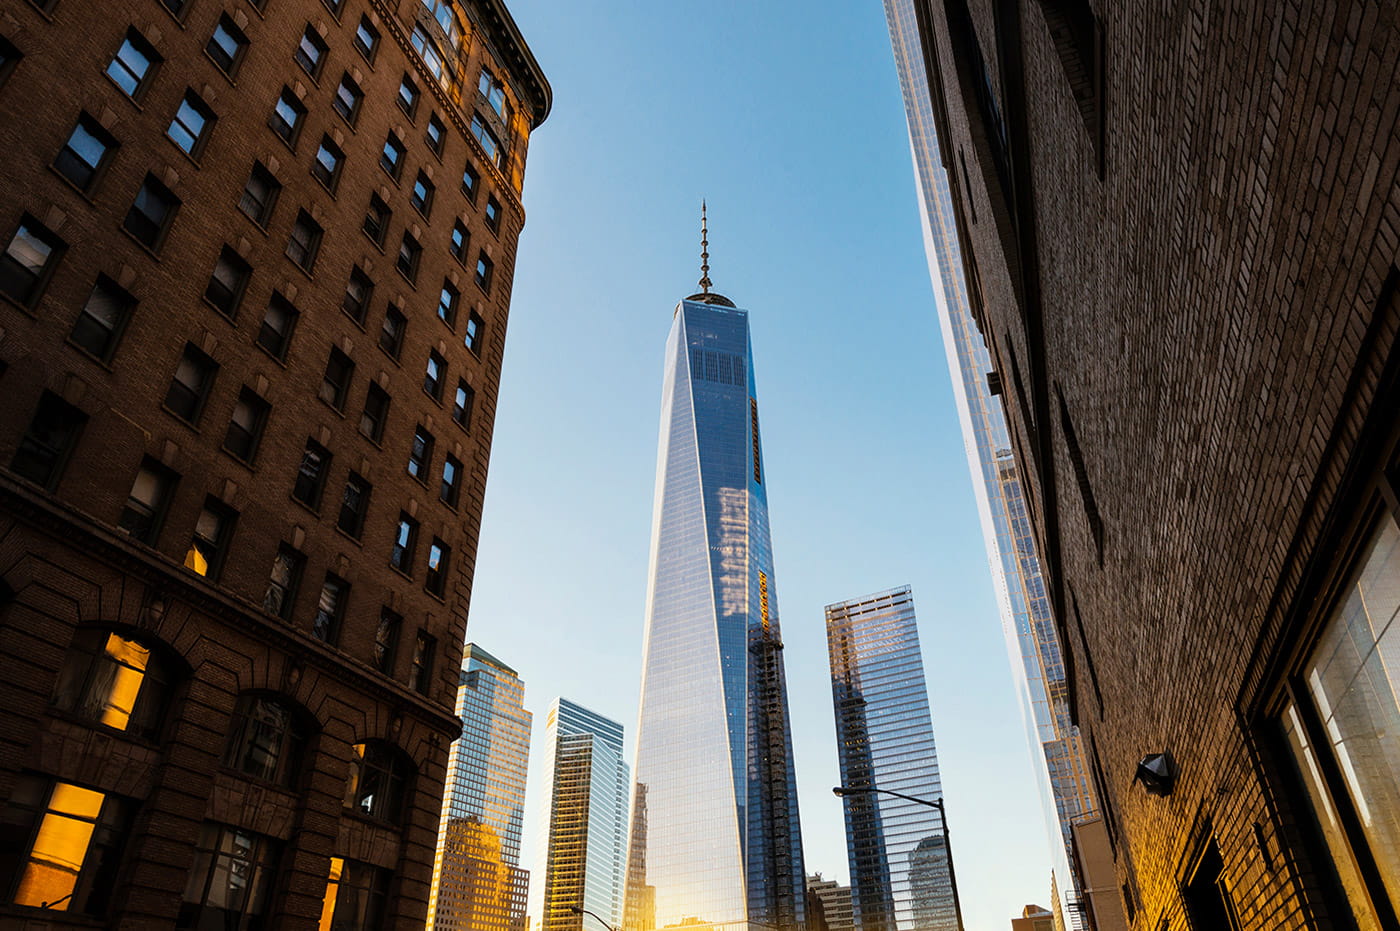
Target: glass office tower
478 884
715 834
1025 610
584 833
898 852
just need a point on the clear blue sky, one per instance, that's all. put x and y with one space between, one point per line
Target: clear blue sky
787 117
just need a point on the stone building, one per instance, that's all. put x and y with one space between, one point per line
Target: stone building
255 266
1178 225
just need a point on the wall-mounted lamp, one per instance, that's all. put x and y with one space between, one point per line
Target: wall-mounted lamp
1157 773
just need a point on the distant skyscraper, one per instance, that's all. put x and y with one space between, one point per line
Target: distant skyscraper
716 839
477 881
1025 610
901 878
584 835
835 900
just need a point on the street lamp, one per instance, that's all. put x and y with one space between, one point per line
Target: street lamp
843 791
583 911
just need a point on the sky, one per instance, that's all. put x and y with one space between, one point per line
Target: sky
786 116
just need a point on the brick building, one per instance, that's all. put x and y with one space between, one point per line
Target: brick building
1178 224
255 265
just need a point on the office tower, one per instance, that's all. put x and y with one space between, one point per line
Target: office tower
583 837
478 884
1031 638
252 327
836 903
1033 918
901 864
719 843
1189 298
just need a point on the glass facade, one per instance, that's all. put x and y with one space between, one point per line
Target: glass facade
715 834
901 873
1025 610
585 831
478 884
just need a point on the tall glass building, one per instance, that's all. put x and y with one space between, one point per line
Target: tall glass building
1025 610
584 833
715 833
897 850
478 884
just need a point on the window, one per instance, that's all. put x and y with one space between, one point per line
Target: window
476 332
304 242
330 608
231 880
353 505
67 844
470 181
9 58
428 50
410 251
192 124
134 65
386 641
189 389
209 544
267 740
147 501
424 651
366 40
422 195
47 443
376 412
311 474
85 154
286 117
227 283
377 220
460 240
489 143
356 894
115 681
358 292
379 782
151 213
405 540
408 96
493 92
226 46
434 376
451 481
436 134
392 332
259 195
176 7
447 304
102 319
391 159
311 52
435 583
462 404
245 427
446 15
283 581
348 98
29 261
335 383
275 334
493 214
420 457
326 167
484 268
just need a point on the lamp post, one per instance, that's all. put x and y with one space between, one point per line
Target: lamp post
583 911
843 791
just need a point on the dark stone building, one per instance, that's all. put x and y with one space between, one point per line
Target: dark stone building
1179 228
255 266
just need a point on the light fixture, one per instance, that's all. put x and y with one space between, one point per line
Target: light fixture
1157 773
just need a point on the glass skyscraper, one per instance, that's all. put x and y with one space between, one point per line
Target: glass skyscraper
901 873
1025 610
478 884
584 832
715 833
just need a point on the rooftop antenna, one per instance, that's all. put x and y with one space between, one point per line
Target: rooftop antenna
705 282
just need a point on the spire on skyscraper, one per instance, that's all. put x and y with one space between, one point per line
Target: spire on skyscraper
704 296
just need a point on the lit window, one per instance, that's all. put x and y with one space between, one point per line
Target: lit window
353 504
348 97
282 583
29 260
376 220
493 92
356 894
335 383
330 608
311 474
246 425
44 449
379 781
189 389
115 681
439 554
424 652
462 404
470 180
376 412
68 845
287 116
488 140
476 332
227 283
420 456
447 304
460 240
100 322
436 134
311 52
391 158
275 334
358 292
366 39
133 66
259 195
209 544
392 332
226 46
484 270
451 481
430 54
409 253
151 213
408 96
386 641
84 155
422 195
434 376
192 124
326 167
305 241
144 511
231 881
493 214
267 740
405 540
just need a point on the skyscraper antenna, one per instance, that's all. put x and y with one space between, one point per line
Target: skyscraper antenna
705 282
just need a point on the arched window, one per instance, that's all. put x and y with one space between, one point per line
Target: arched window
448 17
115 680
268 739
381 776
